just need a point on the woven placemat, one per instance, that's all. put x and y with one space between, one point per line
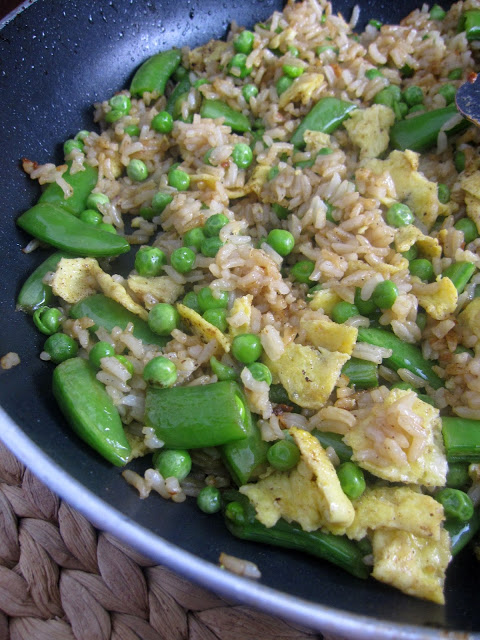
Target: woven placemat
61 579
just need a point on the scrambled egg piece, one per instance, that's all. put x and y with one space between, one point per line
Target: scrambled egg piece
240 316
323 332
78 278
369 129
324 299
387 270
302 89
213 51
310 494
162 288
411 186
257 179
471 185
470 318
439 299
412 564
418 438
397 508
202 328
406 237
308 374
316 140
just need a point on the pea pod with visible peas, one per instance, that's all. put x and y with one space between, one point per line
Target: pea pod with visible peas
233 119
97 421
108 314
326 116
50 223
82 184
34 293
154 73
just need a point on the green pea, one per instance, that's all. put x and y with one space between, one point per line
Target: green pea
209 500
249 91
370 74
283 455
399 215
281 212
47 319
217 317
126 363
60 347
173 463
413 95
421 321
400 109
147 213
407 71
190 300
448 91
281 241
273 173
459 161
375 23
96 200
242 155
90 216
421 268
162 122
237 66
351 479
455 74
114 115
293 51
261 372
105 226
385 294
456 504
282 84
137 170
326 47
149 262
417 108
178 179
437 13
469 228
70 145
200 82
82 135
210 247
292 71
457 475
243 42
221 370
132 130
411 253
302 271
100 350
194 238
365 307
443 193
343 310
206 299
183 259
160 200
214 224
163 318
384 97
121 102
246 348
160 372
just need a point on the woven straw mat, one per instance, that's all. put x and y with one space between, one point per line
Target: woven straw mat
61 579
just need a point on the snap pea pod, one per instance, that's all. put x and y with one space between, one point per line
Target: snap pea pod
361 373
154 73
82 184
462 532
243 457
90 410
462 439
339 550
404 355
108 314
182 88
199 416
326 116
334 440
233 119
34 293
470 23
460 274
421 132
50 223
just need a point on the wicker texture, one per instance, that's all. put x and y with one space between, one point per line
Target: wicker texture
61 579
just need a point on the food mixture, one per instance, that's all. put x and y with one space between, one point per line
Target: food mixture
297 345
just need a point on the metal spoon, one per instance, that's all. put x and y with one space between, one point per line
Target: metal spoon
468 98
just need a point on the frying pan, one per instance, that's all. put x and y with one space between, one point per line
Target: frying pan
57 58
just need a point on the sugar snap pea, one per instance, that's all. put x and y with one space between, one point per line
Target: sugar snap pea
462 532
243 457
97 421
462 439
326 116
181 89
218 109
82 184
108 314
470 23
198 416
34 293
361 373
460 274
334 440
52 224
154 73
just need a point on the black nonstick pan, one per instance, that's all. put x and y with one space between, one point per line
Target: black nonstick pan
57 57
